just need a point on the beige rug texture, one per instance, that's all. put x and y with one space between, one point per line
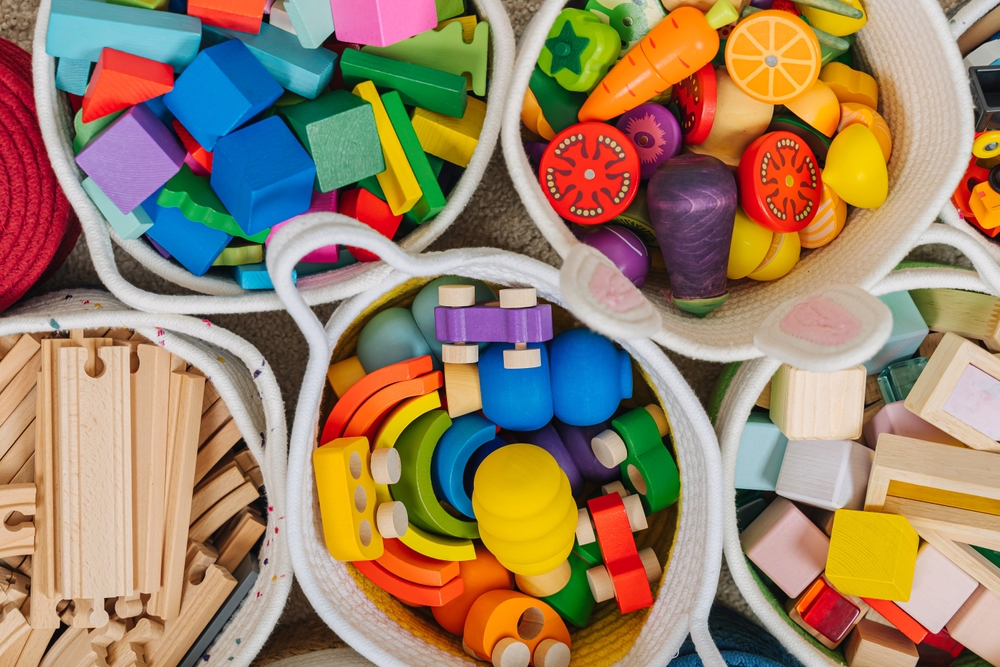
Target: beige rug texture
494 218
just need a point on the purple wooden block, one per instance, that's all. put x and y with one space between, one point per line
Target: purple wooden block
577 439
548 439
158 248
491 324
132 158
654 132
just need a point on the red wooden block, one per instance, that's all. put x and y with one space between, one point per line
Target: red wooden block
621 558
337 81
122 80
75 101
939 650
369 416
241 15
408 592
407 564
915 632
194 149
369 209
828 612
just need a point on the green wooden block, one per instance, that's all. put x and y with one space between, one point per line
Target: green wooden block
989 554
445 50
649 469
418 86
371 184
560 106
87 131
194 196
159 5
338 129
449 9
433 200
240 252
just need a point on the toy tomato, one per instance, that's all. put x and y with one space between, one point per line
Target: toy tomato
696 98
780 183
579 50
590 173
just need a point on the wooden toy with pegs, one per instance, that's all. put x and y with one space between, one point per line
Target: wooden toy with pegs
510 628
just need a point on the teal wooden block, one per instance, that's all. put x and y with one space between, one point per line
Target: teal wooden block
87 131
255 276
339 132
762 448
79 29
305 72
73 75
432 201
908 331
427 300
128 225
418 86
389 337
449 9
312 20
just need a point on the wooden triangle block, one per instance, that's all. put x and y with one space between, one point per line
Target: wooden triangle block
122 80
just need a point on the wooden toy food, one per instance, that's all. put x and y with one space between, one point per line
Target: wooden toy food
579 50
780 183
773 56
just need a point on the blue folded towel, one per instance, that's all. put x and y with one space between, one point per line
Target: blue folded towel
742 643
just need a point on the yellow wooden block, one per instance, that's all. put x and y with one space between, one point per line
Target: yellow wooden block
872 555
451 139
343 374
346 493
402 416
468 26
438 547
398 181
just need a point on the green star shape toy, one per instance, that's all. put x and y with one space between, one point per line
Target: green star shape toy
579 50
566 49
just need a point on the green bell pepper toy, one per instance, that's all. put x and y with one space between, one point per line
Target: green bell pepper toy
579 50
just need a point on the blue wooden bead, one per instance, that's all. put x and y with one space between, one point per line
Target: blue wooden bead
427 300
222 89
477 458
255 276
191 243
451 458
263 175
517 399
390 337
762 448
590 377
908 331
73 75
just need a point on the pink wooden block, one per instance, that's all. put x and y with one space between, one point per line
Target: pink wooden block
974 400
382 22
975 625
786 546
940 588
897 420
321 202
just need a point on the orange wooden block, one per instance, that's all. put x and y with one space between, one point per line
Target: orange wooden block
122 80
481 575
502 614
374 212
367 387
409 592
407 564
241 15
191 145
891 612
372 413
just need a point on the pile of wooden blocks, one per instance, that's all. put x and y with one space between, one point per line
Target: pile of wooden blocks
142 507
892 555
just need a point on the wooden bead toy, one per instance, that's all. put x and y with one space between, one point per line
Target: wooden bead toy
825 614
762 448
739 120
872 555
577 440
462 389
780 182
875 645
795 393
453 139
830 474
626 574
73 75
543 585
972 625
191 243
696 98
647 468
194 196
940 588
895 419
131 225
428 299
579 50
548 439
590 377
786 546
122 80
819 107
889 612
502 614
851 85
423 87
312 20
390 337
241 16
768 38
970 315
451 457
856 169
692 201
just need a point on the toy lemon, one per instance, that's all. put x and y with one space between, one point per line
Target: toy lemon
855 168
850 85
781 256
828 223
835 24
819 107
749 246
853 113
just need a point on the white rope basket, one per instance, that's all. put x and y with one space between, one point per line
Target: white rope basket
691 574
925 100
334 657
221 294
750 380
246 383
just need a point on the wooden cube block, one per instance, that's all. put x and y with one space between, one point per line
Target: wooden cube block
382 22
895 419
453 140
312 20
889 612
72 75
967 314
818 406
908 332
191 243
875 645
959 392
830 474
826 614
129 225
762 448
940 588
786 546
872 555
242 15
975 625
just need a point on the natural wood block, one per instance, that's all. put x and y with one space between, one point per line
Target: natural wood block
220 444
786 546
873 393
17 540
34 647
940 588
214 488
14 433
130 650
930 344
236 542
19 387
961 525
451 139
974 625
967 314
212 420
461 388
818 406
223 511
14 632
830 474
16 358
764 400
875 645
872 555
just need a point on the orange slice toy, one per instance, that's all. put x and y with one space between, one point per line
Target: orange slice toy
773 56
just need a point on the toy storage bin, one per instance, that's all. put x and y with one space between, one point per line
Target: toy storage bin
334 657
246 383
385 631
223 295
737 393
926 103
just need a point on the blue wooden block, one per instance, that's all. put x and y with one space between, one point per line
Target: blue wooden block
305 72
191 243
246 574
908 331
222 89
590 377
255 276
128 225
79 29
178 6
762 448
263 175
390 337
73 75
516 399
157 106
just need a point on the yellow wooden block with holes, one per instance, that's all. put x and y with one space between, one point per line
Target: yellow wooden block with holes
398 181
872 555
346 493
451 139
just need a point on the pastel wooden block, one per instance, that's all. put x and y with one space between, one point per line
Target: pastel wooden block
974 625
312 20
255 276
895 419
875 645
132 158
959 392
453 140
372 211
279 17
382 22
122 80
786 546
73 75
830 474
762 447
347 499
826 614
818 406
419 86
888 612
872 555
339 130
983 565
908 331
241 15
896 381
496 615
432 200
80 29
940 588
191 243
967 314
130 225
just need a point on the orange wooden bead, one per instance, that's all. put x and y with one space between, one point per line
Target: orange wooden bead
501 614
481 575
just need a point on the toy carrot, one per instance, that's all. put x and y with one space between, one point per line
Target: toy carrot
676 48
